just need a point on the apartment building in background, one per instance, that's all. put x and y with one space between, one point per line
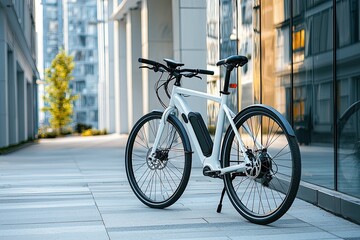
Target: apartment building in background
18 72
53 41
72 25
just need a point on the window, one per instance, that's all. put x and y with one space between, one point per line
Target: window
53 26
89 69
298 45
321 34
324 103
81 116
80 85
91 29
82 40
88 101
94 116
299 40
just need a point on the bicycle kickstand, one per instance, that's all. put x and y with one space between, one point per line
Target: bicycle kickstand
218 210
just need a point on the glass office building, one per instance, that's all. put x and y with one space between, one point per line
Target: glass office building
53 38
80 28
304 58
72 25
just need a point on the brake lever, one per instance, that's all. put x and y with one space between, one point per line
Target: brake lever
155 68
190 75
151 68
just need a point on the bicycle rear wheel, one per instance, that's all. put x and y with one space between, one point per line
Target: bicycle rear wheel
266 190
158 182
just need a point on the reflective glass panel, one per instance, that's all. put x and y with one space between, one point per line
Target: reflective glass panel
275 55
348 96
212 41
246 48
297 78
228 43
313 104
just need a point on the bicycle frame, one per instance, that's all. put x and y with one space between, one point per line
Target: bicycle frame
178 103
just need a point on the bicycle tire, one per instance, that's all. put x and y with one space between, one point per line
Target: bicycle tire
262 195
161 182
349 150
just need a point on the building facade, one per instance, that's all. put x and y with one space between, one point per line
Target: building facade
73 25
18 72
81 41
53 40
153 30
303 61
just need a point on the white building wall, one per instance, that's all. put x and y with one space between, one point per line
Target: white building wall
133 52
18 97
106 62
189 28
155 30
157 44
120 78
111 74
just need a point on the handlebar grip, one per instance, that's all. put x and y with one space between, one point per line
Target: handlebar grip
147 61
207 72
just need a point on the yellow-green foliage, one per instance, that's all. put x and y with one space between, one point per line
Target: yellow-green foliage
93 132
58 94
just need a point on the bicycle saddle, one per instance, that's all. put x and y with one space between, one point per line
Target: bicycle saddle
172 64
234 59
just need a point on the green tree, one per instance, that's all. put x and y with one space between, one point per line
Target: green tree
58 94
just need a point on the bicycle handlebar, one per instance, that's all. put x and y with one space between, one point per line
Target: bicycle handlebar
147 61
157 65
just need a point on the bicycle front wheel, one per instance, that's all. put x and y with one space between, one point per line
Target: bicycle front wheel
158 182
268 187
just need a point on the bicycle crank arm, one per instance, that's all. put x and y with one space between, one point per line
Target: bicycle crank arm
234 168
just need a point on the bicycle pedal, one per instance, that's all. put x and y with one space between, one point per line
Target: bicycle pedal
209 173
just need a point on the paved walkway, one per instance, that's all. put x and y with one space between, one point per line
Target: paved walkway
76 188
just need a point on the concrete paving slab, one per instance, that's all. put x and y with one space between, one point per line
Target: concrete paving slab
76 188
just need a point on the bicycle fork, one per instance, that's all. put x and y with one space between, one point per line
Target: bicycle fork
153 154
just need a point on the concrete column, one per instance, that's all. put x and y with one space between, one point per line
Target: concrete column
121 93
12 98
110 66
133 52
30 112
157 44
4 123
189 31
21 105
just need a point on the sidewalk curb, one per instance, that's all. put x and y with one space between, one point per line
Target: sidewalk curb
14 148
337 203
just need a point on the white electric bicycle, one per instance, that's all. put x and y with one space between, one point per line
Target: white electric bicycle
258 158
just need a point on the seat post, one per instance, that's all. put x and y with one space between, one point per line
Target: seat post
229 68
